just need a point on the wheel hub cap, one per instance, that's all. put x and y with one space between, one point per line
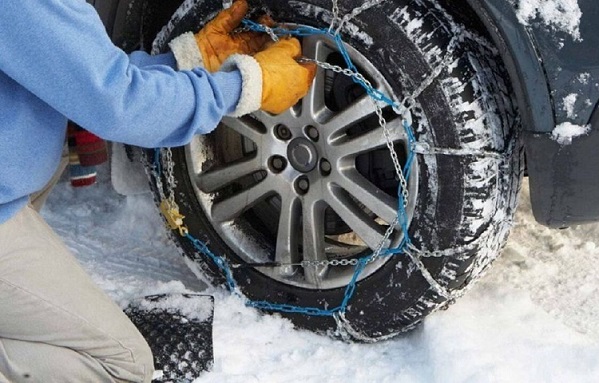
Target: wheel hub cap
302 155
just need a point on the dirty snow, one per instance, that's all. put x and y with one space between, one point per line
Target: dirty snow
565 132
563 15
532 318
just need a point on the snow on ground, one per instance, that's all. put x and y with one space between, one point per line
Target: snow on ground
533 318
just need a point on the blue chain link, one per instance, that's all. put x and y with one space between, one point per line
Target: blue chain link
350 289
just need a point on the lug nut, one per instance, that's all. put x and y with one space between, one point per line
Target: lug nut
282 132
302 185
325 167
278 164
312 132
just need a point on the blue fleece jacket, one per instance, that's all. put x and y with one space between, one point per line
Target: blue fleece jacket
57 63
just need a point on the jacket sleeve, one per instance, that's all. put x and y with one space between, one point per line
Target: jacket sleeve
59 51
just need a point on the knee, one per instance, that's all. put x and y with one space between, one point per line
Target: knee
132 361
125 361
145 358
142 358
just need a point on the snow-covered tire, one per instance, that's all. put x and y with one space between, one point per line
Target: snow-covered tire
463 192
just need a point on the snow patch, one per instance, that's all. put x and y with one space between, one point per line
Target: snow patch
565 132
413 26
562 15
569 103
584 78
190 307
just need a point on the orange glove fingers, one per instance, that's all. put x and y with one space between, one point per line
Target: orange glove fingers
288 47
265 19
285 81
311 68
229 19
214 41
217 43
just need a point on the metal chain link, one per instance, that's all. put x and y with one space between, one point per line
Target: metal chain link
353 13
337 69
356 11
270 32
170 175
410 101
328 262
336 11
153 174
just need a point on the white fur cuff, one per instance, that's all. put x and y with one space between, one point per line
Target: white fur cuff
251 87
186 51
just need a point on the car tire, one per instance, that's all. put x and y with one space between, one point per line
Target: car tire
464 189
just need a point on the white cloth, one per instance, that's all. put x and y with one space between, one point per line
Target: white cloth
56 325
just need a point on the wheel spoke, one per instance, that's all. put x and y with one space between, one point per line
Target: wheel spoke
374 139
353 113
364 226
214 179
247 127
266 118
232 207
313 104
314 47
313 240
373 198
287 238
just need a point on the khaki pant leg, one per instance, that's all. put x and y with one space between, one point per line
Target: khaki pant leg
56 325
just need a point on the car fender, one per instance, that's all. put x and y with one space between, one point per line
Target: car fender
555 76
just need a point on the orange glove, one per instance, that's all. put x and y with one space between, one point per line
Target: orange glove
272 80
212 45
284 80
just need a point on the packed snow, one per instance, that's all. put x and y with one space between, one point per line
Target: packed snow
563 15
565 132
533 318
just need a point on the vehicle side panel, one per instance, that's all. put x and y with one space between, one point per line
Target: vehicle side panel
551 69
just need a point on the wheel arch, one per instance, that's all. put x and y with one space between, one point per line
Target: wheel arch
520 57
561 191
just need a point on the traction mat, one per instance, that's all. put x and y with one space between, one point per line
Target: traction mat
178 329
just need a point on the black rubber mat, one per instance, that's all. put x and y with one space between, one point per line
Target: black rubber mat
178 328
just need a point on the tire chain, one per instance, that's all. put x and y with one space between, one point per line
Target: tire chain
402 109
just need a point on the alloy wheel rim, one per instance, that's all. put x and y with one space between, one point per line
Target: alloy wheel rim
306 161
